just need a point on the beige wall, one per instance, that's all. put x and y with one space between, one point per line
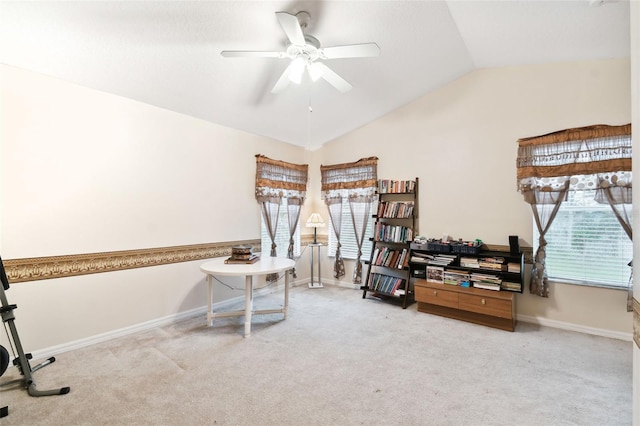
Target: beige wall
84 171
461 142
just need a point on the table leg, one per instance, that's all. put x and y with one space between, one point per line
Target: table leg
319 268
286 293
248 304
209 300
312 254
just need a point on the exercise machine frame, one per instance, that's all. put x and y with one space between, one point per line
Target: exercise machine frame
21 360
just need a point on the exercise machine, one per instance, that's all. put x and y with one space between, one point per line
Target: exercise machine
21 360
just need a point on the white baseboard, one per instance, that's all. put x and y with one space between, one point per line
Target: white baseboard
103 337
181 316
575 327
147 325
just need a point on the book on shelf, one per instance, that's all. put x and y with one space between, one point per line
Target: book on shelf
435 274
487 286
418 257
432 259
395 209
511 286
392 233
382 257
476 276
374 255
387 186
469 262
455 277
403 260
494 263
486 281
390 258
513 267
406 259
381 283
441 259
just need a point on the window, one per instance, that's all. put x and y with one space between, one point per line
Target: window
349 248
586 244
282 234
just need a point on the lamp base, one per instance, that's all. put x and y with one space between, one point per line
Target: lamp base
315 285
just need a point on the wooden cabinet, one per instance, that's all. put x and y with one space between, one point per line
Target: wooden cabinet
487 307
395 221
466 283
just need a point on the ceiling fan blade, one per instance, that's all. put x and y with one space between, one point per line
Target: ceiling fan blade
250 54
332 78
364 50
283 81
291 27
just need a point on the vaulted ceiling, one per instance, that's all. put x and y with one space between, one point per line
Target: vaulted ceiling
167 53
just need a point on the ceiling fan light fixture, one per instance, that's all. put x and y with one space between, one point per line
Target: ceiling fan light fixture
315 71
297 69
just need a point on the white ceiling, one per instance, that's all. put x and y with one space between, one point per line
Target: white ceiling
168 53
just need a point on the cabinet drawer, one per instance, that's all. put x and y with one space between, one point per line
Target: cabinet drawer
486 305
437 297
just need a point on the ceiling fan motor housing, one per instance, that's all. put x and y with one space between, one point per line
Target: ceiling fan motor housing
309 51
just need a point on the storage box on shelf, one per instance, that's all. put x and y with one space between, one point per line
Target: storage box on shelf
477 287
395 221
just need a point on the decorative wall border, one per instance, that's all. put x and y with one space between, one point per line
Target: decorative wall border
636 322
307 239
42 268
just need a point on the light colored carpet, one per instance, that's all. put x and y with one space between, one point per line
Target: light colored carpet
337 360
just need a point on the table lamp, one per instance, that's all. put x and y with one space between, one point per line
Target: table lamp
315 221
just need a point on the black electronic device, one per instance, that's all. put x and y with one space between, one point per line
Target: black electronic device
514 245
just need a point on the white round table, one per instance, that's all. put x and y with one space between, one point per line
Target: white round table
265 265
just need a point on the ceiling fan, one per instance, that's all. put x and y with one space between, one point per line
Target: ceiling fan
306 53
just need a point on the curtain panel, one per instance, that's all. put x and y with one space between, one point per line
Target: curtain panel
357 183
276 180
594 158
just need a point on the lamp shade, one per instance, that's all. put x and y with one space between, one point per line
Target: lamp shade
315 221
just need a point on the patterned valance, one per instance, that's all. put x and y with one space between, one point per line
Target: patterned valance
584 158
357 179
277 179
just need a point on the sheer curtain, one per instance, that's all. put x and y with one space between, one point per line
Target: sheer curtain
334 205
619 198
544 206
276 180
594 158
293 214
355 182
360 218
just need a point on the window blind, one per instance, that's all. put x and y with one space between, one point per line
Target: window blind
587 245
349 248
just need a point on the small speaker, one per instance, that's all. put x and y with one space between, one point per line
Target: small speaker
514 245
